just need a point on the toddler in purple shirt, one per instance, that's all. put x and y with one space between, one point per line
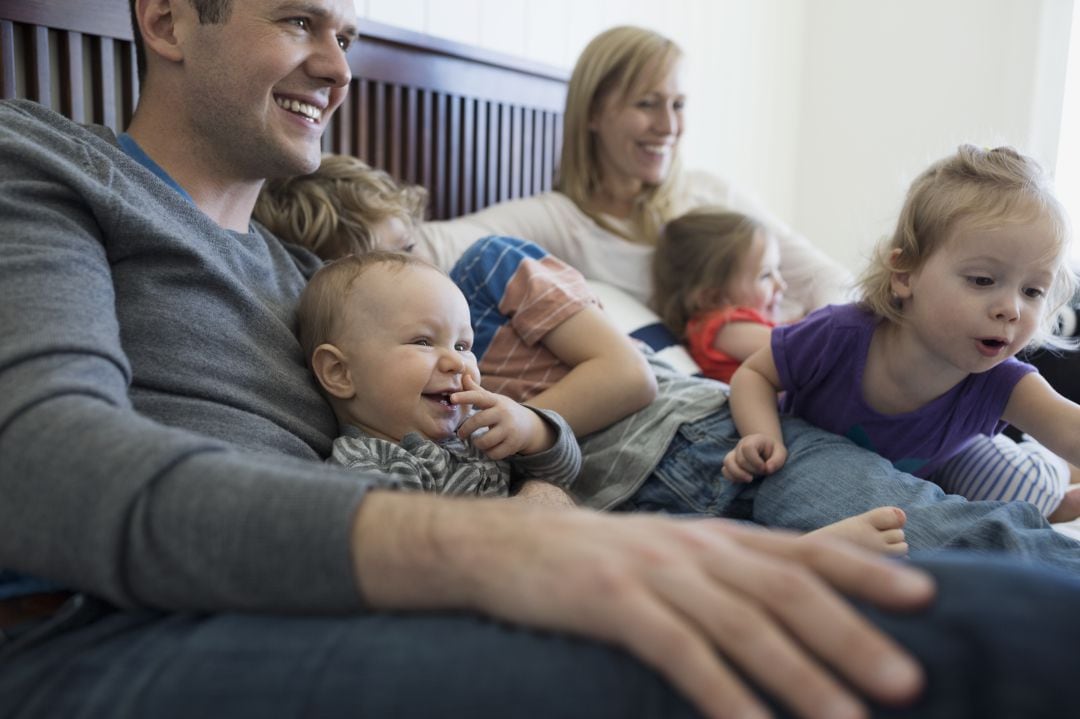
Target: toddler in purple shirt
924 362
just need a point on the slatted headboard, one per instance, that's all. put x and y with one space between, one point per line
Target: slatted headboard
474 127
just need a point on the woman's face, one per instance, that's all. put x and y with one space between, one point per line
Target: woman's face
636 135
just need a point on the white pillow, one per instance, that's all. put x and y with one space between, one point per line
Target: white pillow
638 321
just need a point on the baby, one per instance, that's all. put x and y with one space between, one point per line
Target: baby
389 340
717 286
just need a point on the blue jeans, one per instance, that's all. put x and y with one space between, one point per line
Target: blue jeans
827 478
999 642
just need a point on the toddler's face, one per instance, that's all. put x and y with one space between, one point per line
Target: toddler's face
980 297
407 341
757 283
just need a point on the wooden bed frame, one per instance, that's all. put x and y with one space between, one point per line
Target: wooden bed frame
473 127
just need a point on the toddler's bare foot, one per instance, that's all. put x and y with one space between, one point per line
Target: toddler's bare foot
880 530
1069 509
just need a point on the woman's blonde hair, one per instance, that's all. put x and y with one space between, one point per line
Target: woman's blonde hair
982 188
334 210
698 252
615 64
321 302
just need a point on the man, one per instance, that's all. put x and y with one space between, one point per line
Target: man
159 451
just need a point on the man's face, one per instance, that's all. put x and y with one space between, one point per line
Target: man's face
260 87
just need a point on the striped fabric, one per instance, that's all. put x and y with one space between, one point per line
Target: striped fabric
454 467
999 469
517 293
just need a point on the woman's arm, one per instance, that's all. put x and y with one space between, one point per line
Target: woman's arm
609 378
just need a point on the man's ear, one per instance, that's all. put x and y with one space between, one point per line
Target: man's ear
332 371
161 23
900 280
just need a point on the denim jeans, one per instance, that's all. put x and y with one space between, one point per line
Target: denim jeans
999 642
828 478
108 664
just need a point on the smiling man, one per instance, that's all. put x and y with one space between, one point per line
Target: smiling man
175 546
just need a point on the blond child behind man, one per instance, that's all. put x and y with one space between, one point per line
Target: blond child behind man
345 207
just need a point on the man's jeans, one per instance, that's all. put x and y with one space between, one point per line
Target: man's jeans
999 642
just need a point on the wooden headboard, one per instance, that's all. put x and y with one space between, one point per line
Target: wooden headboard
474 127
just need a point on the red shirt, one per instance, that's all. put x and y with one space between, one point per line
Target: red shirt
701 334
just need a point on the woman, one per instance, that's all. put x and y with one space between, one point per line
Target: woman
620 180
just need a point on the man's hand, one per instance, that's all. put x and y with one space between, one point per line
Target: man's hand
694 599
511 428
754 455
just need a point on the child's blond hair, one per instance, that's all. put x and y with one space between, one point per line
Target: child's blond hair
334 210
981 187
697 252
320 307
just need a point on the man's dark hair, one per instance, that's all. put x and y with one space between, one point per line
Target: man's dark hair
211 12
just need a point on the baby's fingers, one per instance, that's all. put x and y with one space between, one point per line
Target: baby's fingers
481 399
732 471
775 460
752 456
475 422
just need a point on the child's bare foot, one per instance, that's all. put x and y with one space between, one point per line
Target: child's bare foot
879 530
1069 509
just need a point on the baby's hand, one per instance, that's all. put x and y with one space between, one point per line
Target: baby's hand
755 454
511 428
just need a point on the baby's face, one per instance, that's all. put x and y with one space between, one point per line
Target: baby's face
407 341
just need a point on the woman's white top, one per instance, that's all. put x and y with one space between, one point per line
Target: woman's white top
554 222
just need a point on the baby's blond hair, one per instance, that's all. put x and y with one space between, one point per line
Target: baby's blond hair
320 306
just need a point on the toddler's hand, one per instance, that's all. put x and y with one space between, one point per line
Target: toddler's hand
754 455
511 427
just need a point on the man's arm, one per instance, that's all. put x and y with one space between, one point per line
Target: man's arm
97 496
696 600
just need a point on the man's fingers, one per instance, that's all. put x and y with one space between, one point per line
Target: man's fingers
854 571
676 648
743 629
823 621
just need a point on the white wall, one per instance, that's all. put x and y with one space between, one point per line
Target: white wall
825 109
889 87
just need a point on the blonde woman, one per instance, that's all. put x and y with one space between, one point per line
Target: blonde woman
620 180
